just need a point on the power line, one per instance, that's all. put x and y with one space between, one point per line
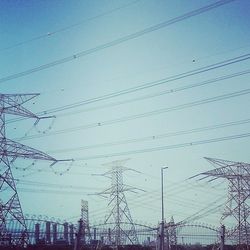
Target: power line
117 41
172 191
173 146
151 197
52 191
144 201
154 137
168 91
51 185
49 34
42 170
143 115
154 196
206 210
156 83
148 202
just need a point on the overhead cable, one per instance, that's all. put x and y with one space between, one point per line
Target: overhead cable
117 41
154 137
160 93
167 147
142 115
155 83
49 34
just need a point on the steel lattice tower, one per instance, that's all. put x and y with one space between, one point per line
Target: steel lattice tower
119 214
238 203
85 220
10 207
171 228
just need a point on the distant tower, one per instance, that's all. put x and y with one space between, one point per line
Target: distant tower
171 228
86 237
238 204
10 207
123 231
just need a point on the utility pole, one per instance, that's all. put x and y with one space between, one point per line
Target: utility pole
162 211
222 237
10 206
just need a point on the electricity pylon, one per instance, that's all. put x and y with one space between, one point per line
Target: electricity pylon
238 203
83 227
85 221
10 207
123 231
171 228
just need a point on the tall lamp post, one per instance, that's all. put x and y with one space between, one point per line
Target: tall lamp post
162 212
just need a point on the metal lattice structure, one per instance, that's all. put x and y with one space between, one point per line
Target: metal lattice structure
238 204
172 236
10 206
85 220
118 207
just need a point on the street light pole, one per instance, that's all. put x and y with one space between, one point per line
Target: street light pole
162 212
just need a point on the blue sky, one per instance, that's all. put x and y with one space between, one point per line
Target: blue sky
35 33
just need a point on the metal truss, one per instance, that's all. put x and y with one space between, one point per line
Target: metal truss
119 211
238 203
10 206
171 233
85 220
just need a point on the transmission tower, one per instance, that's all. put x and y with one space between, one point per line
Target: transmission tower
123 231
83 227
172 235
85 221
10 207
238 202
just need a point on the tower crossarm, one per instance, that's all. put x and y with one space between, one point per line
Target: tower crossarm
104 192
230 172
219 162
12 104
17 150
10 207
14 99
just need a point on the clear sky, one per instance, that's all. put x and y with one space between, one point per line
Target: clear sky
135 125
